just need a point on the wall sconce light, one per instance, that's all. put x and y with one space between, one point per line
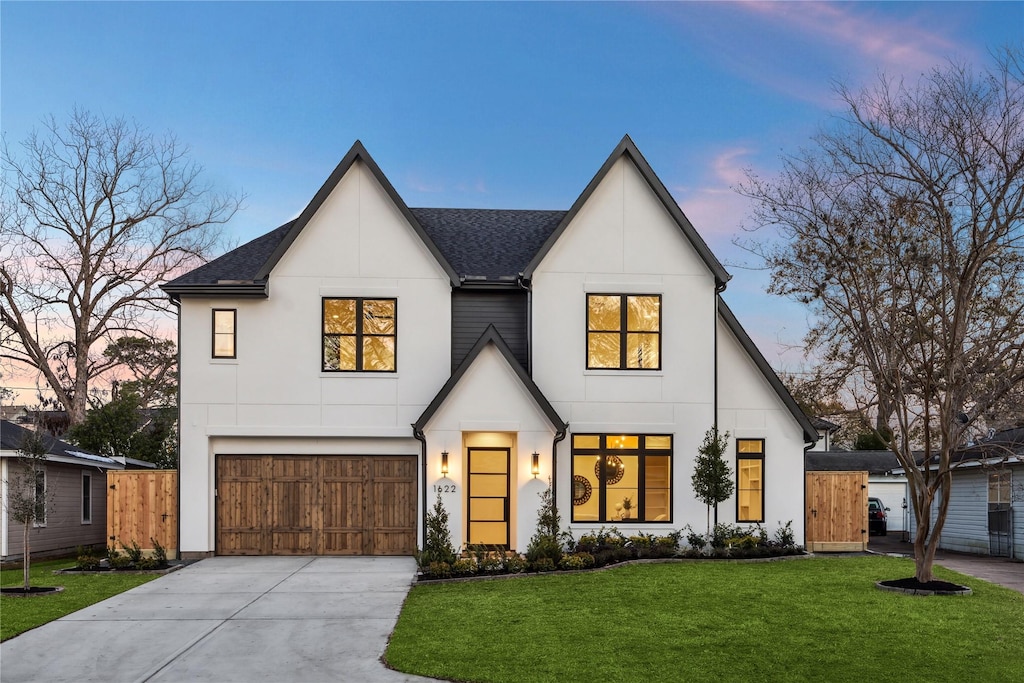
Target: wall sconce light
535 466
444 463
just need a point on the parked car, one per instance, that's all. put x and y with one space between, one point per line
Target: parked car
877 518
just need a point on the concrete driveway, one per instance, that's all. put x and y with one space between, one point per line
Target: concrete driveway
229 619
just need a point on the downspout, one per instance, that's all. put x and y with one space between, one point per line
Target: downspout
559 436
177 513
719 288
418 434
525 285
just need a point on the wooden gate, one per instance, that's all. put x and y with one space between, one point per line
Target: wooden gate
837 511
143 505
316 505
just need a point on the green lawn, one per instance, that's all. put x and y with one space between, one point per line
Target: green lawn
803 620
18 615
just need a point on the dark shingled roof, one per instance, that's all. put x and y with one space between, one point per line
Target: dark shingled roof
874 462
823 424
493 243
242 263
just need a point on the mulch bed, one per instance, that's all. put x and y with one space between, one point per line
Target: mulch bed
33 591
912 586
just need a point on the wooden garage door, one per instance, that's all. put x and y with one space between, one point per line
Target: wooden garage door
316 505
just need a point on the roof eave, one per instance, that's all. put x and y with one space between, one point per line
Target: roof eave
256 290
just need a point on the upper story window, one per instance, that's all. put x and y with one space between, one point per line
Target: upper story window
359 334
750 480
224 332
624 331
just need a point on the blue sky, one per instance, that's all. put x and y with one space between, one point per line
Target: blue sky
487 105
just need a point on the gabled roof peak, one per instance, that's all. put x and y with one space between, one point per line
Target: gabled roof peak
491 336
627 147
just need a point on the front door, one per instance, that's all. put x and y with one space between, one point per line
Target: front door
488 494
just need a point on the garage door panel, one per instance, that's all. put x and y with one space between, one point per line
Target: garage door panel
343 542
312 505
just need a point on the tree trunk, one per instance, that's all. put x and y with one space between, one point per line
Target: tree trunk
25 562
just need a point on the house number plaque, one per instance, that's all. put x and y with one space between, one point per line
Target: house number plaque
445 488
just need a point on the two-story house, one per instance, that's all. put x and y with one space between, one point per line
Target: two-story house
340 372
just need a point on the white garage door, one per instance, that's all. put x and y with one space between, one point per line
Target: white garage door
893 495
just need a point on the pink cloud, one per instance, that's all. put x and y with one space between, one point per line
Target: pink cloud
885 42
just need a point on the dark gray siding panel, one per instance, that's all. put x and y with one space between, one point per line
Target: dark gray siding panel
473 311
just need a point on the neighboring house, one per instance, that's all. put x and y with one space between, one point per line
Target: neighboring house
825 430
340 372
986 503
75 491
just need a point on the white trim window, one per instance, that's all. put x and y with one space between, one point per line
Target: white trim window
86 498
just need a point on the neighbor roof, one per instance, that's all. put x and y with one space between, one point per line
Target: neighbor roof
12 436
874 462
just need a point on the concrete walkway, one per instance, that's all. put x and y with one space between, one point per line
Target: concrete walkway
295 619
998 570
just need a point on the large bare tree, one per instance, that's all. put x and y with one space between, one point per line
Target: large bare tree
95 213
902 227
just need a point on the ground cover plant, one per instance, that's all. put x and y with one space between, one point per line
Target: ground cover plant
807 619
18 615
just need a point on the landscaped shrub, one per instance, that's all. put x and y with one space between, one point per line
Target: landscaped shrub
146 563
120 562
576 561
546 542
438 546
439 570
543 564
463 566
87 562
159 553
784 535
515 564
134 552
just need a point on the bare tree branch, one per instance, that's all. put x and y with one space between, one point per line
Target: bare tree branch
95 214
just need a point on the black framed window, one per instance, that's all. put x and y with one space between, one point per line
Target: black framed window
624 331
359 335
224 320
86 498
749 480
622 478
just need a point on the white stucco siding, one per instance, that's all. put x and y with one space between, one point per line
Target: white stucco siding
358 244
489 406
749 408
624 241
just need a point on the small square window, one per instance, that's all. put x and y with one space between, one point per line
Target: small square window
623 332
359 335
224 332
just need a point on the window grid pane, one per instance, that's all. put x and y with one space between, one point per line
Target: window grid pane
624 332
617 478
359 335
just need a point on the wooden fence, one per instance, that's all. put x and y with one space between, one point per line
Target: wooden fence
837 511
143 505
